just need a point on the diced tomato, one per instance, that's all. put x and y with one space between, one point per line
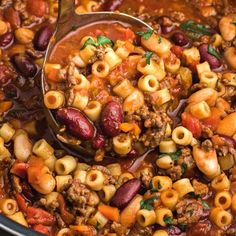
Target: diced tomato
42 229
35 170
22 204
37 7
98 32
20 169
213 121
192 124
66 216
126 34
193 66
39 216
177 50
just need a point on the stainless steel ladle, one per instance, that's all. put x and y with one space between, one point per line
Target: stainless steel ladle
69 21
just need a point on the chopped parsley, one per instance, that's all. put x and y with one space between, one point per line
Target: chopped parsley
159 39
168 220
174 156
197 28
213 52
205 205
184 167
153 189
148 56
101 40
145 34
148 203
98 225
233 22
194 195
182 227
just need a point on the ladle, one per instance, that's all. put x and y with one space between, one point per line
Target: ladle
69 21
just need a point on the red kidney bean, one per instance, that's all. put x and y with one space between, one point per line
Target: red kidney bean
98 141
37 7
77 123
133 154
125 193
180 39
111 118
24 65
206 56
13 17
42 38
6 40
5 75
112 5
166 24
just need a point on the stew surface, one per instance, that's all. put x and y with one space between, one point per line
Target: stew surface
157 107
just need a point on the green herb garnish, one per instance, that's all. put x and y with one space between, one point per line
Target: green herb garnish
168 220
174 156
145 34
148 56
233 22
184 167
182 227
98 225
153 189
159 39
194 195
205 205
194 27
213 52
148 203
101 40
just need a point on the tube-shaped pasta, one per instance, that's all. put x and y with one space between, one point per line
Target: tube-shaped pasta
183 187
95 180
182 136
162 96
98 219
124 88
133 102
146 217
8 206
223 200
80 10
172 63
7 132
81 175
164 162
65 165
122 144
203 67
90 6
234 202
81 82
77 60
123 48
200 110
54 99
4 153
161 46
51 198
220 182
22 147
161 214
210 78
169 198
148 83
43 149
167 146
153 68
107 192
80 100
191 55
100 69
87 52
111 58
61 181
124 177
93 110
115 169
161 183
52 72
50 162
160 232
64 232
220 217
19 218
206 161
82 166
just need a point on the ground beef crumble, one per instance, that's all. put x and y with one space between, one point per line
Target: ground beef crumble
200 188
189 211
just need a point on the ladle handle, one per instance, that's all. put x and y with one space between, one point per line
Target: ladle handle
66 10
